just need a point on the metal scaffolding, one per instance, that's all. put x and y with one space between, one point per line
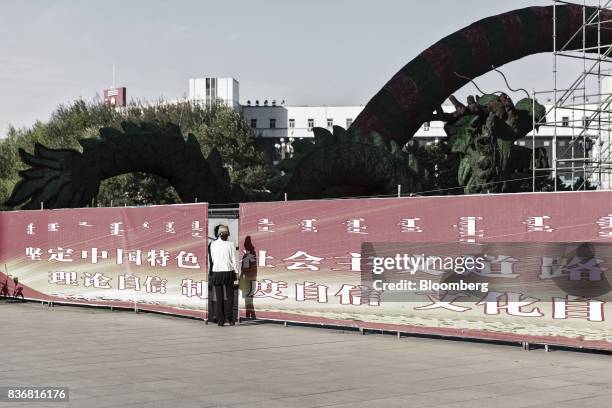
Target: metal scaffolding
580 115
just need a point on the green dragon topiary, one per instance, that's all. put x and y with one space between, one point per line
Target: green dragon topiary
480 146
371 157
67 178
484 140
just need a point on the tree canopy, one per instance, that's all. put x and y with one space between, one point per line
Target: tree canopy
217 126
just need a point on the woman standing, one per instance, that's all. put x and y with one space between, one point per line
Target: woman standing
223 275
248 275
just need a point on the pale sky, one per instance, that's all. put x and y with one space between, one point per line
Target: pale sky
307 52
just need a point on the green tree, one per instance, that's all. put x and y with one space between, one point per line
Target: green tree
217 126
225 131
9 162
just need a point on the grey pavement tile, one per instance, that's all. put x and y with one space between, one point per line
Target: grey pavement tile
307 399
586 389
185 403
515 401
549 405
587 402
98 402
461 394
123 359
404 401
544 382
557 395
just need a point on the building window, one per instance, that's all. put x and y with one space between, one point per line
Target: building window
211 90
349 122
330 122
565 121
547 143
291 123
426 126
310 124
272 123
253 123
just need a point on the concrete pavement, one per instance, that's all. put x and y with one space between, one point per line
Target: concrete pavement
123 359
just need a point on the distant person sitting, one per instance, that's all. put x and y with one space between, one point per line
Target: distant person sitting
18 291
4 290
223 275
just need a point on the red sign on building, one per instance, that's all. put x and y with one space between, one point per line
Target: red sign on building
115 96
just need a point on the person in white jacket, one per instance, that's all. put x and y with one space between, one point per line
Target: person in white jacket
223 275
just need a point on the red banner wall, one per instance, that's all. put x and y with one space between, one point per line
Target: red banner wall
303 262
150 258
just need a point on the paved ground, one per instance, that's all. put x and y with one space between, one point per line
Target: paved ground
123 359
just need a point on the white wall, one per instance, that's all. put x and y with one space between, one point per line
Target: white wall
228 91
300 115
320 114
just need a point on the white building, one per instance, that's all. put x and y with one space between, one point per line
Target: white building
278 124
296 121
209 89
